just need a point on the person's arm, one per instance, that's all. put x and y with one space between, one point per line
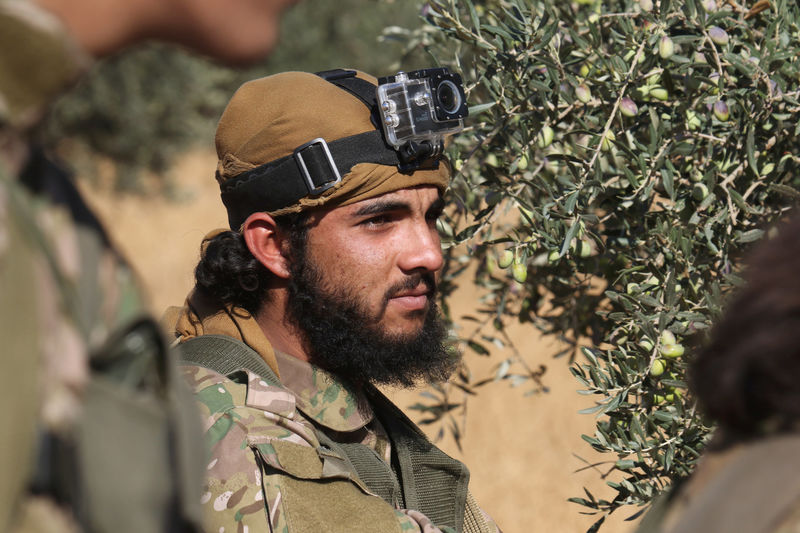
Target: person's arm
232 496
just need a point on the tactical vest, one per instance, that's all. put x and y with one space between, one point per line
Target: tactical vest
427 479
131 462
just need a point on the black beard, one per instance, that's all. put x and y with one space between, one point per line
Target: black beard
343 337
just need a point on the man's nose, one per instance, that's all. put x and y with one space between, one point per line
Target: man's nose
422 249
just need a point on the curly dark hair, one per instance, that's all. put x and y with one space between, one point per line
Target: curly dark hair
748 377
229 273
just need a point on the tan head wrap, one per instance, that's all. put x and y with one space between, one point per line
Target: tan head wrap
269 117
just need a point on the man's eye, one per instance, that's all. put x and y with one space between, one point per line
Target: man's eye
377 220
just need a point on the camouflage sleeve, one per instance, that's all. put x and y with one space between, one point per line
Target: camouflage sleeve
239 416
232 497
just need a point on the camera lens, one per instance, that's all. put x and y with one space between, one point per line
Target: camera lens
448 97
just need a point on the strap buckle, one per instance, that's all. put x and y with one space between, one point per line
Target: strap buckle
313 188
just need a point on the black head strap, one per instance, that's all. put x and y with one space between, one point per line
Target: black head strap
315 166
360 88
347 80
312 169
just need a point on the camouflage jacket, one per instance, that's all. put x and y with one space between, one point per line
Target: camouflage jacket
85 369
274 464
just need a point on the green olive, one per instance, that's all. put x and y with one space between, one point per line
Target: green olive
506 258
673 351
545 137
699 191
520 272
666 47
721 111
718 35
583 93
667 337
628 107
584 248
659 93
659 365
491 264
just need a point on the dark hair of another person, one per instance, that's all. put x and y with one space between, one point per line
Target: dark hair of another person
229 273
748 377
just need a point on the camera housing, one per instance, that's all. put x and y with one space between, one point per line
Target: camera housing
420 108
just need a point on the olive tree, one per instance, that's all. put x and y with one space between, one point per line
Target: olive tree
619 159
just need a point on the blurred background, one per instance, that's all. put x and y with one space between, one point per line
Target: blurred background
139 133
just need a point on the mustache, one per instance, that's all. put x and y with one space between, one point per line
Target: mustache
428 279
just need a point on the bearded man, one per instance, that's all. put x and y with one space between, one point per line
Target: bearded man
324 287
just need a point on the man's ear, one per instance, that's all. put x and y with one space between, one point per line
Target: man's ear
266 242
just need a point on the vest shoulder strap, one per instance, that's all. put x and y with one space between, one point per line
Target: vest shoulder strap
225 355
432 481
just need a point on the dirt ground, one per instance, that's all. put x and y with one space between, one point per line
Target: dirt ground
522 451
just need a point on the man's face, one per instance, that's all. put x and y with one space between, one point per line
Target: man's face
385 250
362 290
